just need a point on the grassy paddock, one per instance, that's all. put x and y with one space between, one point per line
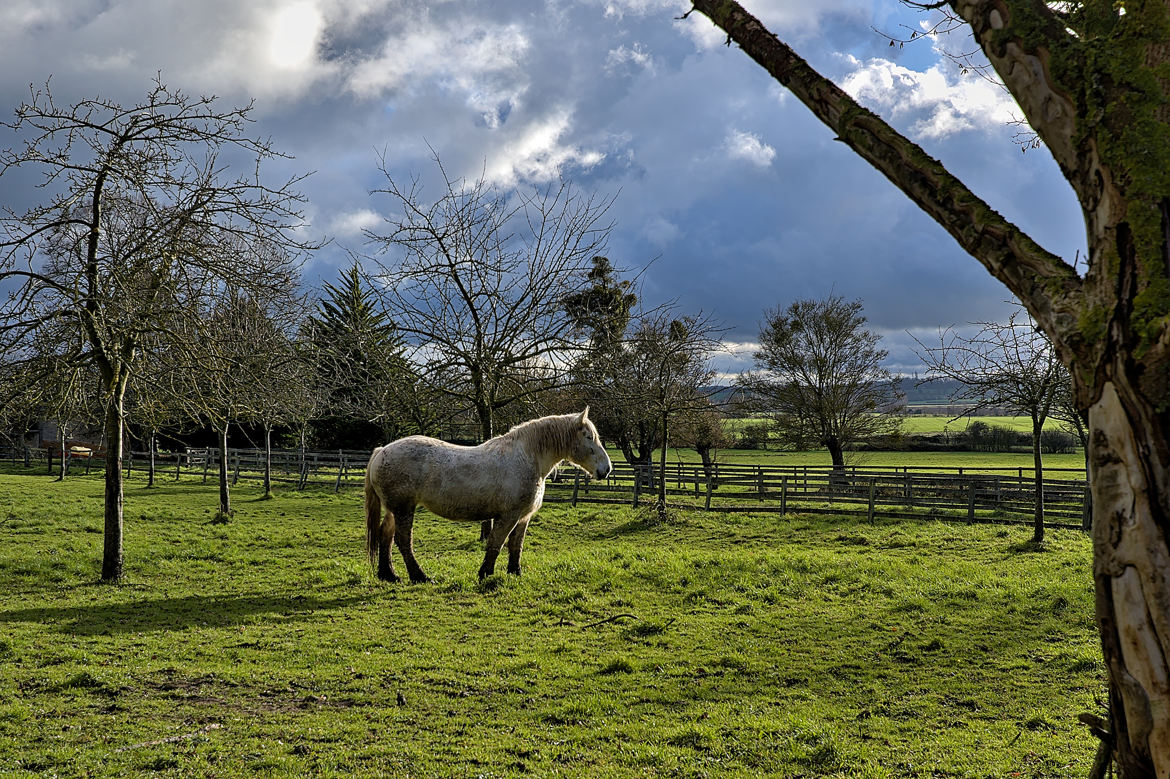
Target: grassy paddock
973 460
924 424
709 646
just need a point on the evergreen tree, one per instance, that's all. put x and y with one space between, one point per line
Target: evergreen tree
359 367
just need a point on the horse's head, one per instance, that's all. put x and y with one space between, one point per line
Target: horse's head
586 449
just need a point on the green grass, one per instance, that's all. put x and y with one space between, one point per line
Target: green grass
707 646
922 424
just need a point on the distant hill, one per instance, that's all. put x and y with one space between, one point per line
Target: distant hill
937 392
918 394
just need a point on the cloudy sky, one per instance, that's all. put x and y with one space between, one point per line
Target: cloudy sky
736 198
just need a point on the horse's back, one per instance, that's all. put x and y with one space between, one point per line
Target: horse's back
453 481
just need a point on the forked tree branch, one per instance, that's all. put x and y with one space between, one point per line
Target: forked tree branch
1040 278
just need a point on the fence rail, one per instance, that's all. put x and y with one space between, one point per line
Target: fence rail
969 494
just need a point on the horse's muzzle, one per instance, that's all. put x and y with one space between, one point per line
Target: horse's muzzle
603 471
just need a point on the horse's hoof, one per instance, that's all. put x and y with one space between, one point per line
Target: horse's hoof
423 579
514 571
389 577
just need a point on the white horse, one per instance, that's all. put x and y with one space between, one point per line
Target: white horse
501 480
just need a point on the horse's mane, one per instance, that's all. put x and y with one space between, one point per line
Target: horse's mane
551 432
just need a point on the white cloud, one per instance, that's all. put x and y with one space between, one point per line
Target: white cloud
937 102
293 34
538 154
351 223
635 55
749 147
485 64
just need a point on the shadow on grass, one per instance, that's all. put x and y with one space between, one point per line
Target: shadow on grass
174 613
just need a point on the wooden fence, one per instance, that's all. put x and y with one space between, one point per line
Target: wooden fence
967 494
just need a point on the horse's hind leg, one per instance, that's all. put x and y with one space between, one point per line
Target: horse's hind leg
385 544
404 537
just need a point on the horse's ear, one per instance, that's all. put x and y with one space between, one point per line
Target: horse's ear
584 416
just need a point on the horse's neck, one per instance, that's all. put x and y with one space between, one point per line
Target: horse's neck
547 447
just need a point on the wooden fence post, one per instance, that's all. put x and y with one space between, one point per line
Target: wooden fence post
760 480
710 486
784 496
971 502
576 485
872 490
178 464
236 474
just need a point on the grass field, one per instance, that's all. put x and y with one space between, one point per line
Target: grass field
925 424
709 646
973 460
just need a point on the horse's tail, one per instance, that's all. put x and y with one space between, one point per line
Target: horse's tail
373 514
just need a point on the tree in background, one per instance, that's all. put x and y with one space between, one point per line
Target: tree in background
1004 364
140 218
476 280
1090 78
702 429
819 375
278 382
602 314
359 367
672 355
602 310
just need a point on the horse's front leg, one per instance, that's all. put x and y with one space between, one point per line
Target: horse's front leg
501 529
516 545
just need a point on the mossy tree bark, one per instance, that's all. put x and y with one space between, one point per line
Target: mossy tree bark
1093 84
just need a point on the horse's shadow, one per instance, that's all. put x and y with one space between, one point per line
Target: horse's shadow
181 613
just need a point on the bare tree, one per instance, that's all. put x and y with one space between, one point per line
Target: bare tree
702 429
278 380
140 216
476 281
819 374
1090 79
1004 364
663 371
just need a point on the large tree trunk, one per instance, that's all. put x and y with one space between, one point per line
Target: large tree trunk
836 453
1129 447
112 546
